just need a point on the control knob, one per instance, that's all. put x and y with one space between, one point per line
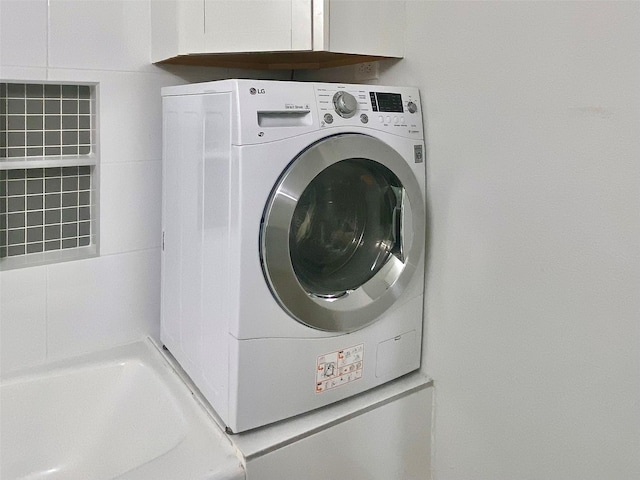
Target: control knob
345 104
412 107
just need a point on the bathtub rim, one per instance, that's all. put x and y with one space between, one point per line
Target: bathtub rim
225 461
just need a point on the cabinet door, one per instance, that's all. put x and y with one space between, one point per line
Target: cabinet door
257 25
365 27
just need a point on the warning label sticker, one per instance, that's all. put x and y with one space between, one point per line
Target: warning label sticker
339 368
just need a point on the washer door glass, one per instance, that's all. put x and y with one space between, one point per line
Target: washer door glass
343 232
345 226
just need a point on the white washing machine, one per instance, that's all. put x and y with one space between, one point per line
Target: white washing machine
293 242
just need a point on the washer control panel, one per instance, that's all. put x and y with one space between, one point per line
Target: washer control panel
383 108
272 111
386 102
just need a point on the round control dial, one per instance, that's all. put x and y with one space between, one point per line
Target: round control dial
412 107
345 104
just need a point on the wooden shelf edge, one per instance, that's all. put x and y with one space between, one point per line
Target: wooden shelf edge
311 60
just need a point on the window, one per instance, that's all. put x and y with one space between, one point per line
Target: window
48 171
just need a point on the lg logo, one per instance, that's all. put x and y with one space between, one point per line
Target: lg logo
259 91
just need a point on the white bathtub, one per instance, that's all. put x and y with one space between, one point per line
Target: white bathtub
122 414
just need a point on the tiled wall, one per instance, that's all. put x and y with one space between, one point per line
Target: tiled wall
45 120
47 209
58 310
63 309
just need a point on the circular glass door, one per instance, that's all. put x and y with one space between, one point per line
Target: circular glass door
344 227
342 232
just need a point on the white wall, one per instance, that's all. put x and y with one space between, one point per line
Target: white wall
533 287
532 113
66 309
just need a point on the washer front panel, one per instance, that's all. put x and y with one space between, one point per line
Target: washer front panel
342 232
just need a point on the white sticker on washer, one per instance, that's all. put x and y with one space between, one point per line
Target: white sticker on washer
339 368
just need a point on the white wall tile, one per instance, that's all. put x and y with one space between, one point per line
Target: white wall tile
21 74
130 111
97 303
131 117
22 318
23 33
180 74
100 35
130 206
113 299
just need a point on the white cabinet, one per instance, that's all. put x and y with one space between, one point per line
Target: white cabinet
276 34
257 26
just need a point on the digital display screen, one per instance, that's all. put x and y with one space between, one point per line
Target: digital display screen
386 102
